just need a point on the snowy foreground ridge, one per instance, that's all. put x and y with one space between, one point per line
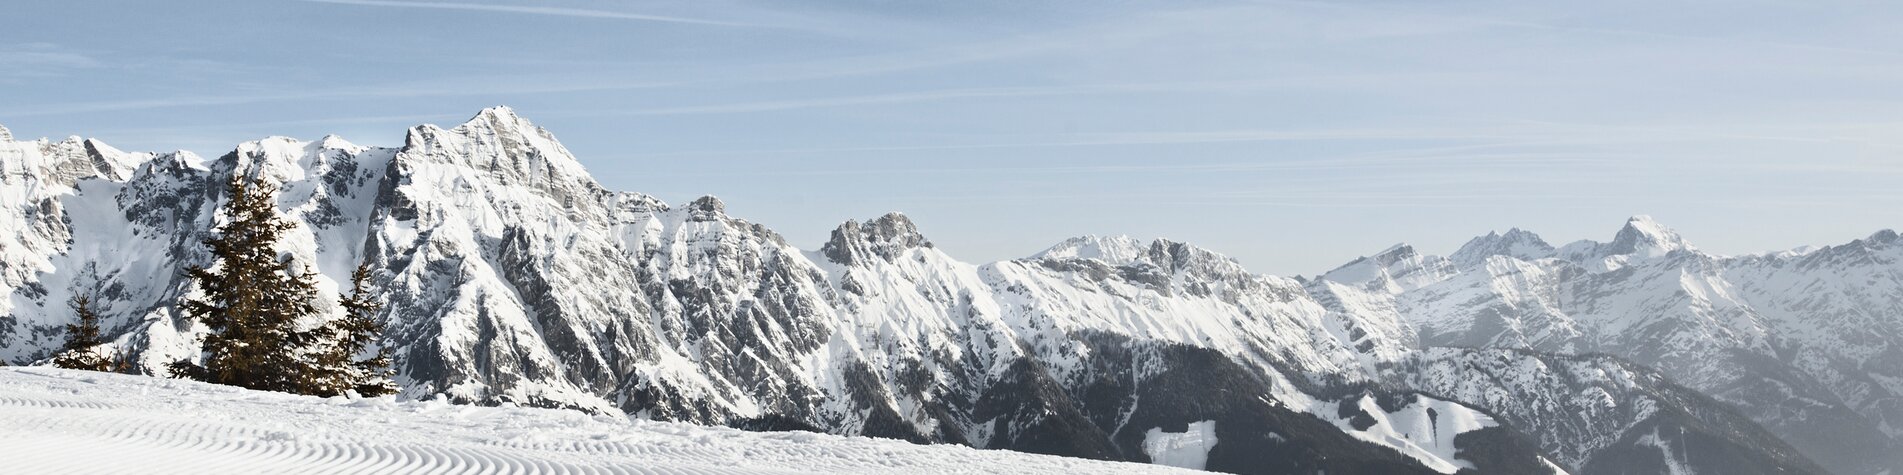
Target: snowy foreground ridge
63 421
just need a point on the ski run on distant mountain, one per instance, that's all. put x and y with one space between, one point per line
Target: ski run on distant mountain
512 278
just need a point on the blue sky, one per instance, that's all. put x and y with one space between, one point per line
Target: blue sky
1293 135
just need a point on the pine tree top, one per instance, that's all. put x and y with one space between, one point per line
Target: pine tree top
82 339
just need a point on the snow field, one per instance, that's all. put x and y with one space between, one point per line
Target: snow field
62 421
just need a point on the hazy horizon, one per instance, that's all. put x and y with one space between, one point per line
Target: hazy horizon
1294 136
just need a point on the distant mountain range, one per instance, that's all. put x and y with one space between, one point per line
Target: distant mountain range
512 276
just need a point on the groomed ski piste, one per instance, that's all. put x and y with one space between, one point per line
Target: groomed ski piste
66 421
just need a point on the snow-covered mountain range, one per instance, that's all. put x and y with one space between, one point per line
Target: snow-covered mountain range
1808 343
511 276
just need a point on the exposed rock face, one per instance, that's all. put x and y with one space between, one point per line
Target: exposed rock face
510 275
884 238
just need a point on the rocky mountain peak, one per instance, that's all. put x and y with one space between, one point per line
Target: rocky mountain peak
505 150
1113 250
885 237
503 122
1181 257
1858 250
1515 243
1395 253
336 142
110 162
1397 269
1887 236
68 161
497 113
500 120
895 228
1353 271
276 158
706 208
496 132
1646 237
5 135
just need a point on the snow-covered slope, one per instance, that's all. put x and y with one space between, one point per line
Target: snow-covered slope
1809 344
512 277
61 421
42 213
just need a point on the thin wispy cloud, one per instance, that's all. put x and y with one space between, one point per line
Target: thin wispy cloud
537 10
396 120
1442 23
1467 161
1726 42
1224 168
870 99
1092 140
506 87
1470 140
995 92
41 60
32 57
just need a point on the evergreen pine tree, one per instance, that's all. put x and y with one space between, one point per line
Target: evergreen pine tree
81 338
337 366
252 300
